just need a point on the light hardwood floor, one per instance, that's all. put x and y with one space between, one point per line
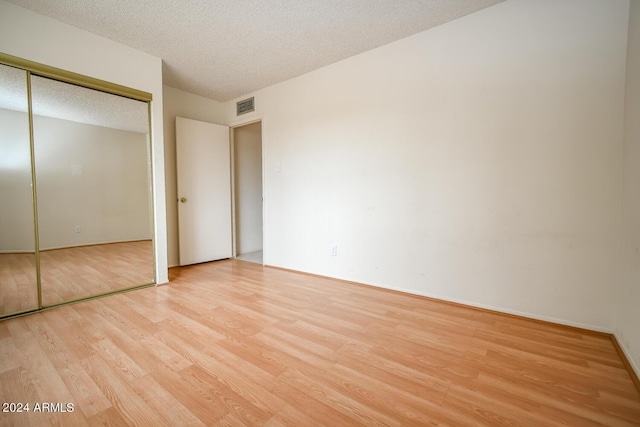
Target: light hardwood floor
73 273
18 288
234 343
81 271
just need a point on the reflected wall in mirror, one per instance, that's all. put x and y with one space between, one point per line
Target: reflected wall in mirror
91 154
18 280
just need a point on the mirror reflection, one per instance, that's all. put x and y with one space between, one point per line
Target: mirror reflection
18 283
91 154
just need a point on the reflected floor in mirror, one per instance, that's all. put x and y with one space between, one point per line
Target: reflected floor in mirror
18 287
82 271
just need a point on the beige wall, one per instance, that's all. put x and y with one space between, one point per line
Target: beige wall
178 103
478 162
627 328
248 187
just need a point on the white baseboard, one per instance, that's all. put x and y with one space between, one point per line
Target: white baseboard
505 310
471 304
627 353
94 244
73 246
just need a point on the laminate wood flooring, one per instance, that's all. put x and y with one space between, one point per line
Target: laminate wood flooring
82 271
234 343
18 288
73 273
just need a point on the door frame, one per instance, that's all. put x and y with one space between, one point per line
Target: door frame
232 127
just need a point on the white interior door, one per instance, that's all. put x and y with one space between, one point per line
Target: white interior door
204 191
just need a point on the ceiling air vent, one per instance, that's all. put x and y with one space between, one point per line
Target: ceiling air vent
245 106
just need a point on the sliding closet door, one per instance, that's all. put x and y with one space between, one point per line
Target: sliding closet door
92 171
18 280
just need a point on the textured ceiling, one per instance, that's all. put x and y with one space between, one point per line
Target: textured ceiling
223 49
51 98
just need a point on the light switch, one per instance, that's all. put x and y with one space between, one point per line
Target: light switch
277 166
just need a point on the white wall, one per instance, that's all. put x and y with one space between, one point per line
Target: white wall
88 176
627 328
16 196
478 162
41 39
248 187
178 103
91 177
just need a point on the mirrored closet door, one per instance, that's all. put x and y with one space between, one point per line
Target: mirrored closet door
94 226
18 281
76 218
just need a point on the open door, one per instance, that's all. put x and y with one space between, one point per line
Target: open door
247 174
204 191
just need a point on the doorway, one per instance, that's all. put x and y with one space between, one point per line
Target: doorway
248 197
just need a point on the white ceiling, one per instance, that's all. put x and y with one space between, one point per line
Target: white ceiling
51 98
223 49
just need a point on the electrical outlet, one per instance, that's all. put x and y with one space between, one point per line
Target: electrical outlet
334 251
77 228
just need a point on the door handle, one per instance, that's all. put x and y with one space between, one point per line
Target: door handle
183 199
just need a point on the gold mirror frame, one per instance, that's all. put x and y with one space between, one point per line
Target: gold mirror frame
37 69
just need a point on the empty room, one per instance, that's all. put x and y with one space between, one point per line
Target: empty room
306 212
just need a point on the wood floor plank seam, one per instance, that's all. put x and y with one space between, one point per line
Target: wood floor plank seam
236 343
452 303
